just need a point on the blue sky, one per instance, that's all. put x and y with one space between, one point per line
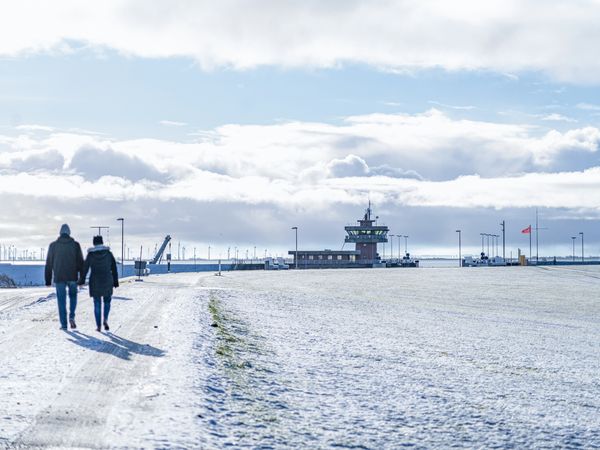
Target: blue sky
129 97
258 118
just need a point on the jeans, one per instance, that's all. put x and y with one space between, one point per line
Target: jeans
61 297
97 308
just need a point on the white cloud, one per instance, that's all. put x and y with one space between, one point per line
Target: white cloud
350 166
552 190
95 163
557 118
588 107
394 104
171 123
294 168
34 128
445 105
355 166
506 36
420 159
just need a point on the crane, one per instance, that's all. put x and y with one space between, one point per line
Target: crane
158 256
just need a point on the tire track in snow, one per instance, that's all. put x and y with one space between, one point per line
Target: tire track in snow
78 415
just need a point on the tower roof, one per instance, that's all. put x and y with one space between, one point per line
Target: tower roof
365 231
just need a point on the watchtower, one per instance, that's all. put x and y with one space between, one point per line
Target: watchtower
366 236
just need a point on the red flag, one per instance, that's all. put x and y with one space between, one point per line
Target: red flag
527 230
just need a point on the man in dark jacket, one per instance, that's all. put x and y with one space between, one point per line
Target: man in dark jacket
103 278
65 260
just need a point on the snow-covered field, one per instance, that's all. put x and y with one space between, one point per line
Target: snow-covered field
505 357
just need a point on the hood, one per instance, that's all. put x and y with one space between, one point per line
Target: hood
64 239
98 248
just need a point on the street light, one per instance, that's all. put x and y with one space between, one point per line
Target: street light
582 257
296 258
503 225
122 220
391 246
459 248
497 243
405 243
573 240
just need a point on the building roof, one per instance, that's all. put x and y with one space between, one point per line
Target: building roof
325 252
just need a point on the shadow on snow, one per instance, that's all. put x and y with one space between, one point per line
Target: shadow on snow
117 346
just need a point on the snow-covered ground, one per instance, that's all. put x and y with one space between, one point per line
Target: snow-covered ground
333 358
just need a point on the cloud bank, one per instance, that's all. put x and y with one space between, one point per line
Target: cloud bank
251 179
505 36
426 159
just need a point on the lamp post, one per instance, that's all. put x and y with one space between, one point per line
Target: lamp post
296 257
405 243
482 235
503 225
582 257
391 246
459 248
573 240
122 220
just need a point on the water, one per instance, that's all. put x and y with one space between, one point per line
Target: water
486 357
31 273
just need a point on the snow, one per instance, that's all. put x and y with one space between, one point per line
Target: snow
434 357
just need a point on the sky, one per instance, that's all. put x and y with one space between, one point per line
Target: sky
225 124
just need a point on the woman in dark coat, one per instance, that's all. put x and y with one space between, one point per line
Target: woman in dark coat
103 278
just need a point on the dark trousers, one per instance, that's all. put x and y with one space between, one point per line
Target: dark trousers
61 297
98 307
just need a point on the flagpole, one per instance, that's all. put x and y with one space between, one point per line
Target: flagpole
529 242
537 253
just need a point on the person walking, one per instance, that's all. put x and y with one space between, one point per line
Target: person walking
103 278
65 260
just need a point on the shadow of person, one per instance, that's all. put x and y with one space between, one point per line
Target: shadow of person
116 346
134 347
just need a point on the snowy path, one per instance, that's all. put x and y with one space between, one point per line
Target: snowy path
357 358
86 389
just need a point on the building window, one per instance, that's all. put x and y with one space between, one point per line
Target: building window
311 257
330 257
339 257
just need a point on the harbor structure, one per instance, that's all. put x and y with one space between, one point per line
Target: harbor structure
365 236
